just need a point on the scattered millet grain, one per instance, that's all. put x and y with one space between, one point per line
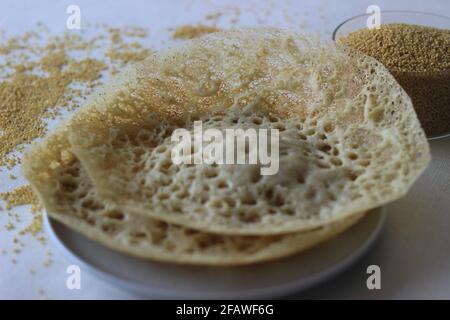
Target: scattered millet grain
21 196
419 58
35 227
40 77
10 226
191 32
41 293
122 52
35 82
214 16
48 261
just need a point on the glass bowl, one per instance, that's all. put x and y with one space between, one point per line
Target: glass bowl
396 16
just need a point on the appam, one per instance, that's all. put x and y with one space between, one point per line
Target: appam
349 137
70 198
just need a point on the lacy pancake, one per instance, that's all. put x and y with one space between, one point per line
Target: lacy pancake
349 139
70 197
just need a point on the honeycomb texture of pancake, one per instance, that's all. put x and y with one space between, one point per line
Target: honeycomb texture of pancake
69 197
349 137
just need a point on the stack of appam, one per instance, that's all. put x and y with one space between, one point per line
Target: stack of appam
349 141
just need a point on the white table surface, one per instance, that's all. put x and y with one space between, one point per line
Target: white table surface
413 251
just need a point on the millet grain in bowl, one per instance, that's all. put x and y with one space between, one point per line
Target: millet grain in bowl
419 58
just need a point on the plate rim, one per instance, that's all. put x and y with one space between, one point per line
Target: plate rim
284 289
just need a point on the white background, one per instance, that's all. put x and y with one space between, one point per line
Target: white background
414 248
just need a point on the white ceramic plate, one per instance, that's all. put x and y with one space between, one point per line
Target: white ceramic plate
267 280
